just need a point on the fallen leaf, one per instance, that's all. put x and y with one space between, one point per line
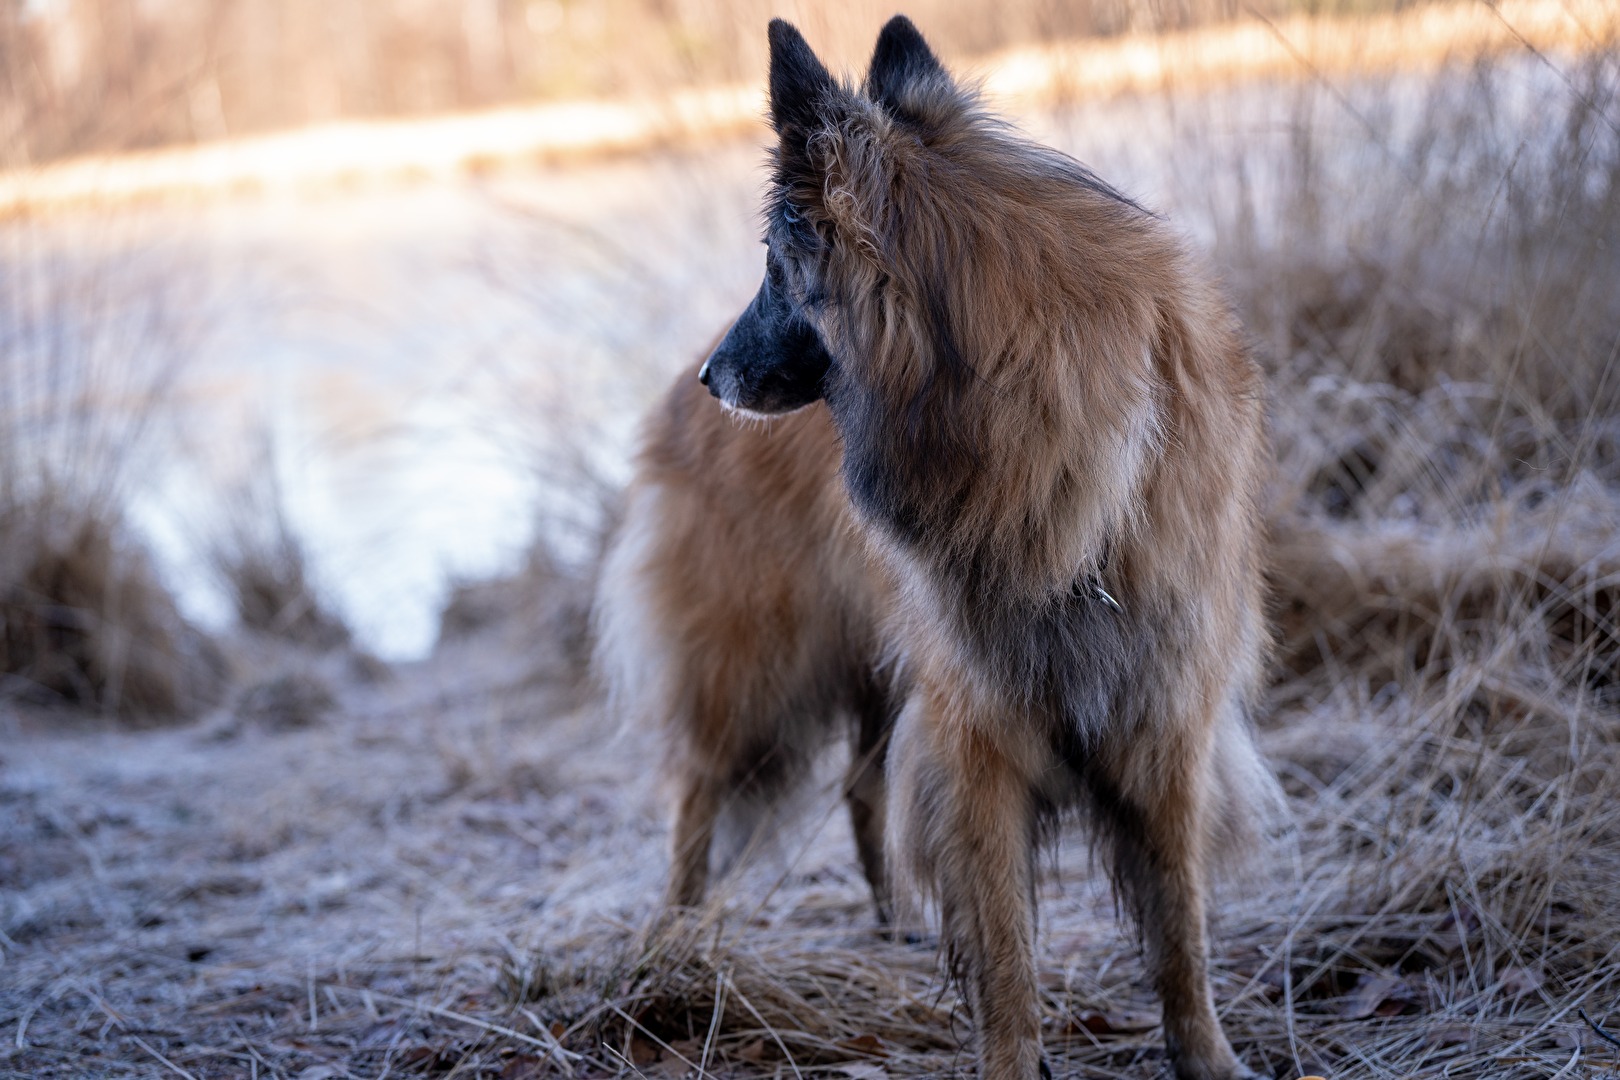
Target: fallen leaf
1380 994
1113 1022
526 1067
870 1045
644 1051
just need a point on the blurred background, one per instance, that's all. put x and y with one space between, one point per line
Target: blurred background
94 75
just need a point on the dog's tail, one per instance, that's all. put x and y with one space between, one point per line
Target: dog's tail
628 659
1249 807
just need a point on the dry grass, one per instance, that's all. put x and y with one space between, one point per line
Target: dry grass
263 565
542 609
85 619
90 351
431 882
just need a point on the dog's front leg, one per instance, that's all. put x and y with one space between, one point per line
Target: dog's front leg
965 818
1152 798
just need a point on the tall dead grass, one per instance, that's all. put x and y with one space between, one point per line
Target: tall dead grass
86 619
1447 565
262 562
91 347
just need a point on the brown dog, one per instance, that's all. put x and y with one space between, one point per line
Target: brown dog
1038 490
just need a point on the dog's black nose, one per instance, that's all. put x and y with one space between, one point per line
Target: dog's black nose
703 373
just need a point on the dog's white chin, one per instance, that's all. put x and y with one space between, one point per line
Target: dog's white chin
751 414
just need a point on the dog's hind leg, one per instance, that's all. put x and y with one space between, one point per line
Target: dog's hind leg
735 768
865 790
697 807
1152 801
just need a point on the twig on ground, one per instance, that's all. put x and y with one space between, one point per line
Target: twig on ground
177 1070
627 1062
1598 1031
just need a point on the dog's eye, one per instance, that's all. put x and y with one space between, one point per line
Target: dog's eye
796 230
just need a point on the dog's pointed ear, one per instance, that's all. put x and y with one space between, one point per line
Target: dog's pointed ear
800 83
901 61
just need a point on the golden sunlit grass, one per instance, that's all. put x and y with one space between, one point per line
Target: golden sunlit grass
338 153
104 76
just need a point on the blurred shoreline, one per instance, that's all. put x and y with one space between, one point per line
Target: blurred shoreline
337 155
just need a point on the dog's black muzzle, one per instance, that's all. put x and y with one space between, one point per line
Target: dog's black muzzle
771 360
